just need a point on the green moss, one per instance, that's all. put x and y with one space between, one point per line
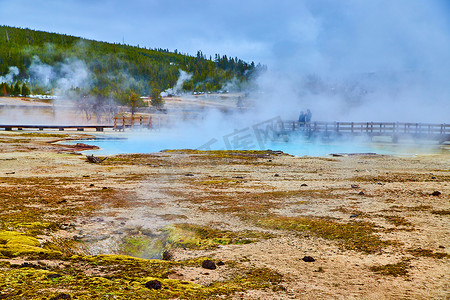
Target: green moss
428 253
397 269
358 236
203 237
14 244
443 212
143 246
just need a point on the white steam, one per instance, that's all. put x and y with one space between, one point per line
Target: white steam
362 61
71 73
9 78
177 89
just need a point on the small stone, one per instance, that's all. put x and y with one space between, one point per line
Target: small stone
91 185
303 184
433 177
153 284
105 187
61 296
277 175
220 263
189 174
436 193
167 255
361 193
354 216
442 247
308 259
355 186
208 264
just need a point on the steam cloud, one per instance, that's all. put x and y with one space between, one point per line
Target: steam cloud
71 73
362 61
178 87
9 78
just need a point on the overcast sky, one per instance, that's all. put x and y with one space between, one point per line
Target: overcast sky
310 31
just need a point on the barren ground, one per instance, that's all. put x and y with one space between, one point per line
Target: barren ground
375 225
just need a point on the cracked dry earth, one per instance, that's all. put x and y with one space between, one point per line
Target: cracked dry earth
377 226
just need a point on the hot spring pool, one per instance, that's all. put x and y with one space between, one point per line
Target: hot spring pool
150 143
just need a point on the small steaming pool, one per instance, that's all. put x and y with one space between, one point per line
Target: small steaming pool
298 147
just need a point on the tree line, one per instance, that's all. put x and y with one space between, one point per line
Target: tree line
115 70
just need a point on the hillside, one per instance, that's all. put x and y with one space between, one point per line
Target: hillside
51 62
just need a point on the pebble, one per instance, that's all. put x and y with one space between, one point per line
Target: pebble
153 284
208 264
308 259
61 296
436 193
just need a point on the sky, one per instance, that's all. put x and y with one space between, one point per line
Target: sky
395 50
261 31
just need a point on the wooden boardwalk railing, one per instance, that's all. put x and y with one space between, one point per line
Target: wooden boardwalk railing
59 127
120 123
439 132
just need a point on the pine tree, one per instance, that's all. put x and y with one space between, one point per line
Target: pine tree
25 90
157 101
16 89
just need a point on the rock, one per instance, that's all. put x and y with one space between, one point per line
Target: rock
238 177
105 187
208 264
54 275
277 175
31 265
61 296
303 184
355 186
189 174
91 185
167 255
442 247
361 193
153 284
433 177
436 193
308 259
354 216
220 263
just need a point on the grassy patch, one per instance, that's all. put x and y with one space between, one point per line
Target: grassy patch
397 269
14 244
398 221
358 236
428 253
402 177
203 237
123 277
442 212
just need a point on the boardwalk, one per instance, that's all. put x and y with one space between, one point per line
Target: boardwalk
438 132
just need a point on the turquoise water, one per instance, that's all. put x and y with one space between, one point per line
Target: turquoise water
299 147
